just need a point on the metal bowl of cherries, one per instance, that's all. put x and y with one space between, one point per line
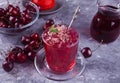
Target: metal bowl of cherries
15 18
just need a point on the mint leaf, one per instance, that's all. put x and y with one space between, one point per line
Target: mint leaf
53 29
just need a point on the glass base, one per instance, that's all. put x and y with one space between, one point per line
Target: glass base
43 69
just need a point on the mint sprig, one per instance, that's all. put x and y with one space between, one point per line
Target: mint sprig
53 29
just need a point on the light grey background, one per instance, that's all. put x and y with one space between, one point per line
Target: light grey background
102 67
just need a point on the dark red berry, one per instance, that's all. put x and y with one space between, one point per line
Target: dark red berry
18 9
13 11
25 18
7 66
31 55
10 7
48 24
28 17
11 57
35 44
16 24
22 19
25 40
86 52
26 11
35 36
3 24
21 57
28 48
17 50
13 19
10 26
29 7
2 12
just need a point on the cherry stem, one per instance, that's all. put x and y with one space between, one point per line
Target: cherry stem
2 53
98 46
74 16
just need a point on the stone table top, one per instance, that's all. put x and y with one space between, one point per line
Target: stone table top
102 67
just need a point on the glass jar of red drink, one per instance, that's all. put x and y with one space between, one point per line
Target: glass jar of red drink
105 25
61 48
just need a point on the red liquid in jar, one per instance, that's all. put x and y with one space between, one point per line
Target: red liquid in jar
106 24
61 52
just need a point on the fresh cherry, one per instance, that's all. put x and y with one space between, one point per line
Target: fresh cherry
31 55
10 26
18 9
7 66
28 48
16 25
35 36
26 11
13 19
25 18
25 40
17 50
10 7
13 11
35 44
3 24
22 19
28 17
2 12
11 57
21 57
29 7
86 52
48 24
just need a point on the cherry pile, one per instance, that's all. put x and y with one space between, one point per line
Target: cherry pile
13 17
32 44
19 55
15 55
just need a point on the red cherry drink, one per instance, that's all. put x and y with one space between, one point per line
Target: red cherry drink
61 48
106 24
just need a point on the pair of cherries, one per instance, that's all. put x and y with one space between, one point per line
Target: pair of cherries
18 55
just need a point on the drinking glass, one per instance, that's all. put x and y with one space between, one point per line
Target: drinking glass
61 59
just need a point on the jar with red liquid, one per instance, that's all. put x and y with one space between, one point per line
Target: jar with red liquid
105 25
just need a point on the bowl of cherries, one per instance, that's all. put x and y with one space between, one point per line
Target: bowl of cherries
16 18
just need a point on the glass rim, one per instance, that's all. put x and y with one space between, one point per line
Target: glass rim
67 46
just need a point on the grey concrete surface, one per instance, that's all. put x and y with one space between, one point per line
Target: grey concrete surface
102 67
